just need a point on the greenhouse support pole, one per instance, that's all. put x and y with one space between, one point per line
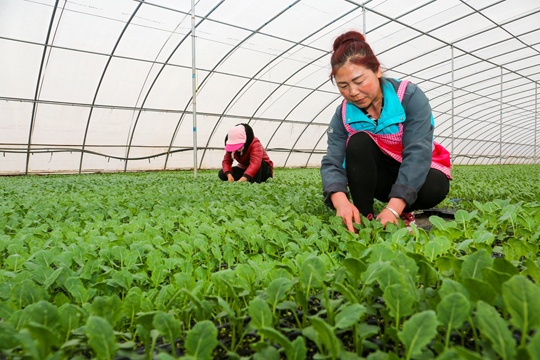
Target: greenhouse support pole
194 86
535 121
500 121
364 19
452 148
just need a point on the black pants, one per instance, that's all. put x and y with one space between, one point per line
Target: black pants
265 171
372 173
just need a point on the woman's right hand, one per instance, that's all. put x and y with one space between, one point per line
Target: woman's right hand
347 211
230 178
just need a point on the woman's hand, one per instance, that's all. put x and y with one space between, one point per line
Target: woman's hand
230 178
345 210
243 178
386 215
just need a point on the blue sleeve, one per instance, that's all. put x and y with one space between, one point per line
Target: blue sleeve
333 174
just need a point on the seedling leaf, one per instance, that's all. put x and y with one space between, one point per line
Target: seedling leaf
521 299
474 263
100 338
399 301
167 326
327 336
418 331
260 313
496 330
277 290
201 340
349 316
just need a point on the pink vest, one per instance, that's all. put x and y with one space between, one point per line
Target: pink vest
392 144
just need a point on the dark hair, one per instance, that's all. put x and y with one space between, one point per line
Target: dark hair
352 47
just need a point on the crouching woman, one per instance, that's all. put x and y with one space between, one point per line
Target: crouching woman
254 164
380 141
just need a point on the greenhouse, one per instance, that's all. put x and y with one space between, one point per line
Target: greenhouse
118 240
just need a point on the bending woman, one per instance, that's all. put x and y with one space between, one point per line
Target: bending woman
380 141
254 165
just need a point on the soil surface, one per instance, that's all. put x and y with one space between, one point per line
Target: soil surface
422 217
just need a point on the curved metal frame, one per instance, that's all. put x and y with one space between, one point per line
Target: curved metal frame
315 147
307 126
283 82
390 19
478 120
290 112
211 73
101 80
249 81
494 142
499 26
38 87
518 108
143 61
487 114
156 78
363 11
489 140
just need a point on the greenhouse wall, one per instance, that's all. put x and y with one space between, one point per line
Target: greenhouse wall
106 86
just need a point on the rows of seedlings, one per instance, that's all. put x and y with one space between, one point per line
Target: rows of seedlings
158 265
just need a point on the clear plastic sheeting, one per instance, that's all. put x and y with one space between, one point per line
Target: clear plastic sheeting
100 85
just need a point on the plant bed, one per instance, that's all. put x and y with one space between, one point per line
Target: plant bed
121 266
422 217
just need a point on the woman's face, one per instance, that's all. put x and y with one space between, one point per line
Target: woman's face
359 85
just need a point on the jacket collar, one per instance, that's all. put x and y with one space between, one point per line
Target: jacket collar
392 112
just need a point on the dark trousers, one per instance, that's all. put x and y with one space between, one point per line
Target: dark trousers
265 171
371 174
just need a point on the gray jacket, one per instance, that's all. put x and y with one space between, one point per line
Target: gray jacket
417 149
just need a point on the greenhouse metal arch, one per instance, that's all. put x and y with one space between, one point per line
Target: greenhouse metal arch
105 86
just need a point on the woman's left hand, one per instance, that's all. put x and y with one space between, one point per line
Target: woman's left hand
387 216
243 178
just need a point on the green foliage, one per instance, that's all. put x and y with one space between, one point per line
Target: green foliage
452 312
312 272
293 350
327 336
260 313
349 316
277 290
167 326
474 263
100 338
8 336
115 264
399 301
496 330
521 299
417 332
201 340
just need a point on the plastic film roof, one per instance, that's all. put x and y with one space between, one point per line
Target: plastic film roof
101 85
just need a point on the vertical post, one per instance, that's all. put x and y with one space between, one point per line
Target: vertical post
364 19
452 154
500 121
194 86
535 121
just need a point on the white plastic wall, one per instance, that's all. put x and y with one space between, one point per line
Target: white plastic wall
100 85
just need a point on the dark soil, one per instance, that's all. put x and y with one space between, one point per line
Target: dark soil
422 217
